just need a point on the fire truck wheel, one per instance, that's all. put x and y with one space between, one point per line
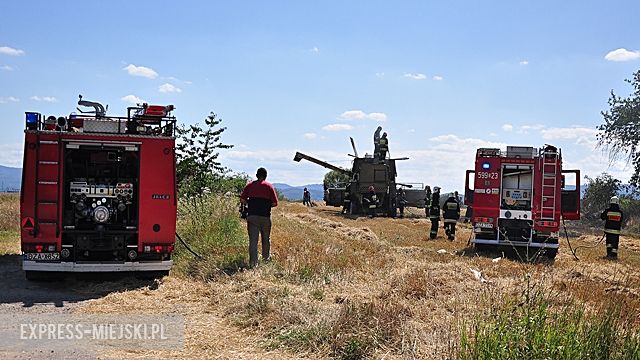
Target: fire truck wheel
551 253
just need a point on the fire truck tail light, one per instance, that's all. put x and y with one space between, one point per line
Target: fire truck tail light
484 219
39 248
158 249
548 223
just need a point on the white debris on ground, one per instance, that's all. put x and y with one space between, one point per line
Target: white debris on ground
442 251
478 275
496 260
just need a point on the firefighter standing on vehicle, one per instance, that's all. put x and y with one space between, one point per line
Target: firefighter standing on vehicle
451 214
383 146
376 141
613 223
371 201
434 212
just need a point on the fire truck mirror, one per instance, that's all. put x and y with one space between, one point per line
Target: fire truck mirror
562 182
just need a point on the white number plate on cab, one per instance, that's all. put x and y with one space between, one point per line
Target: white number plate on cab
42 256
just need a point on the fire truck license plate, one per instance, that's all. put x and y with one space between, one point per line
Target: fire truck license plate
42 256
484 225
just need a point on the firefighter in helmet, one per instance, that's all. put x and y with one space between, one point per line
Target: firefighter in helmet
613 223
371 201
451 214
376 142
383 146
434 212
401 200
346 202
427 199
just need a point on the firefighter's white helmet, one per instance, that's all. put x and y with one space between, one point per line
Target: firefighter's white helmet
614 200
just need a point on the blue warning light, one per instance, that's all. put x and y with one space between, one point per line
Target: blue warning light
32 117
486 166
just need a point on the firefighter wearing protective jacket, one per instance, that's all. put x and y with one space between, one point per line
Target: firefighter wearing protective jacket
383 146
346 202
371 201
451 214
613 223
434 212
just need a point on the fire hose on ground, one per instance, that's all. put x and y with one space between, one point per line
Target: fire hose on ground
188 247
573 251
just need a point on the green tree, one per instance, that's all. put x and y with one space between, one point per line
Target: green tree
335 178
198 168
597 195
620 133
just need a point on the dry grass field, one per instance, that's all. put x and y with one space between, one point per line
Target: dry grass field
368 288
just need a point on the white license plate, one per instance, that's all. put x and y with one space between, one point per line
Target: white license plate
484 225
42 256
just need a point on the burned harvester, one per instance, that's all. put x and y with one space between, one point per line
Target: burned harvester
366 172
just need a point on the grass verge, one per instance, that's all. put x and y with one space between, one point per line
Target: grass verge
532 327
212 228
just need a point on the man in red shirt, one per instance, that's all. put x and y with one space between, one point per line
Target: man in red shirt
260 197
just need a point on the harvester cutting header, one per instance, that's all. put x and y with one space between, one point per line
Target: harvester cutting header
99 191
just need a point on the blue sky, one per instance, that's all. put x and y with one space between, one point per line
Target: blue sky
442 78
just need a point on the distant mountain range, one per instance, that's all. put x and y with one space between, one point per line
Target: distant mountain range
10 178
295 192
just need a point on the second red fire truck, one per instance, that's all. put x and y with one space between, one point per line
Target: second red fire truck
519 198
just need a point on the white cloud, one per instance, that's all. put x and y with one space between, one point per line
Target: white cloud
622 54
507 127
438 78
380 74
361 115
10 51
416 76
310 136
582 136
140 71
449 154
169 88
337 127
6 68
132 99
4 100
524 62
524 129
315 50
50 99
11 155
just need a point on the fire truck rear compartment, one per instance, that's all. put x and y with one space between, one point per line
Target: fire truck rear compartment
100 202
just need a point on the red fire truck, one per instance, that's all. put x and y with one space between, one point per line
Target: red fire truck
98 191
519 198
